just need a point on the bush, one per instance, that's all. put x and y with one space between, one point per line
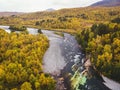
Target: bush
116 20
39 31
17 28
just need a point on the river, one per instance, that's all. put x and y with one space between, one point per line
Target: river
61 56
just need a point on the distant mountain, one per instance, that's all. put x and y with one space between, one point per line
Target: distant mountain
50 9
108 3
9 13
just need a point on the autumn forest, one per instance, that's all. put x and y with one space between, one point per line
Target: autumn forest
96 29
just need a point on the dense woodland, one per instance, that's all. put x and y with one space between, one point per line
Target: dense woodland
102 43
21 62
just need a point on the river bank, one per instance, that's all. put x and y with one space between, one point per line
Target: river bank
63 53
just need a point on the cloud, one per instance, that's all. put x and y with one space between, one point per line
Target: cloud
38 5
72 3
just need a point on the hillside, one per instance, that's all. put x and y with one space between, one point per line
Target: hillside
9 13
107 3
72 19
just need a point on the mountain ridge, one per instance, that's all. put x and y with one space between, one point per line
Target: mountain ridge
107 3
5 14
50 9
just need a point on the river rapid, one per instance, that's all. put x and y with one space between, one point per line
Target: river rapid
61 56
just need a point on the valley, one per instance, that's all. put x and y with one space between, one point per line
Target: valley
65 49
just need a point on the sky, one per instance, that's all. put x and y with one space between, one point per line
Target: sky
40 5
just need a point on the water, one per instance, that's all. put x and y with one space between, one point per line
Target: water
111 84
62 54
32 31
6 28
54 61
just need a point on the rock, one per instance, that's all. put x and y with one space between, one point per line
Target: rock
87 63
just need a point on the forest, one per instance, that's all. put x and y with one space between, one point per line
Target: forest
102 43
21 57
